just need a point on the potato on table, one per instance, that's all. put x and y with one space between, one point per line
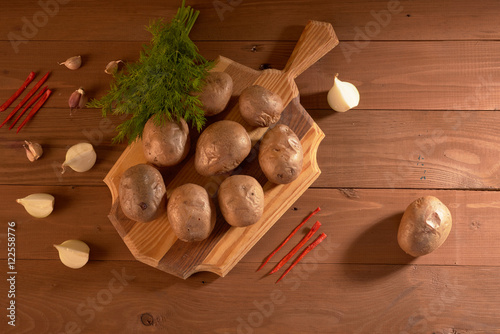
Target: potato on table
141 193
216 92
259 106
222 146
166 144
281 155
241 200
424 227
191 213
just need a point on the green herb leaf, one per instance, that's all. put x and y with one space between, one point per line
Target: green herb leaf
162 81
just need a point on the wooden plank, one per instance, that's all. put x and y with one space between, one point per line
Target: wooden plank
442 75
79 213
17 169
361 225
409 149
130 297
362 149
255 20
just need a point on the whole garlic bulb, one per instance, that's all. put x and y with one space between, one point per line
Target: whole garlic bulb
80 157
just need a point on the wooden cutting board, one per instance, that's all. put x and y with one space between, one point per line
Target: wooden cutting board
155 244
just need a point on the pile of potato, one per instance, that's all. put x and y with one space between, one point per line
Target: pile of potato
220 149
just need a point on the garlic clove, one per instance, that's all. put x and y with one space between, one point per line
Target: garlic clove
38 205
343 95
73 253
113 66
73 63
80 157
33 150
77 99
83 101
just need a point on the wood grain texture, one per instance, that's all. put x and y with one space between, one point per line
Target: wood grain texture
366 148
256 20
428 78
130 297
361 225
410 149
426 75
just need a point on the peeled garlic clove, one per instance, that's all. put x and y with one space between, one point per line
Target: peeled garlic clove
80 157
73 253
113 66
33 150
77 99
38 205
343 95
73 63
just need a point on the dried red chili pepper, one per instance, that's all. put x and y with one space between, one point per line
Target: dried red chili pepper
30 103
288 238
28 80
35 109
26 98
306 250
297 247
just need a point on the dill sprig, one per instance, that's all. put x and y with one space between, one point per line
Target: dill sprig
161 82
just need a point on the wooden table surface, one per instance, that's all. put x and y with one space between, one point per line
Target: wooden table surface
427 124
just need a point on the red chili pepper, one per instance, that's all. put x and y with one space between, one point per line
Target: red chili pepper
306 250
30 103
26 98
297 247
35 109
288 238
28 80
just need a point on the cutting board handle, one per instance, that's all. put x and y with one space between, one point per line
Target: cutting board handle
317 39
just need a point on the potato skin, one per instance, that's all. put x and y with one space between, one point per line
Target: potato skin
191 213
259 106
241 200
165 145
142 192
425 225
221 147
216 93
281 155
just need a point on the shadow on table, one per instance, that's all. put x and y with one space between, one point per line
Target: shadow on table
377 245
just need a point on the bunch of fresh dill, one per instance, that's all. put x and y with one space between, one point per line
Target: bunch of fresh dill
161 82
